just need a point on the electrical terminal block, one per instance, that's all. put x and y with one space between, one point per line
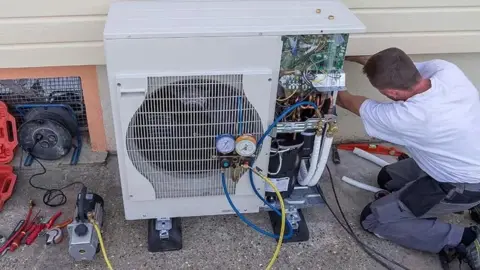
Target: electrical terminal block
326 82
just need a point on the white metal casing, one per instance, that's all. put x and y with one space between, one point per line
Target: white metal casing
157 39
147 19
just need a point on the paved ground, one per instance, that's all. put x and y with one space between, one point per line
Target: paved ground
220 242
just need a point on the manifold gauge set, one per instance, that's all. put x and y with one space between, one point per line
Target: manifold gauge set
232 150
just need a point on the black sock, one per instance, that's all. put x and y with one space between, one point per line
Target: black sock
468 236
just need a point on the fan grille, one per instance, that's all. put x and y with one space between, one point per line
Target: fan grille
171 137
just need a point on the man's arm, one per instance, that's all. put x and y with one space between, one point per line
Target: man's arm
362 60
350 102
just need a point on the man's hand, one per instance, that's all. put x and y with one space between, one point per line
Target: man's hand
357 59
350 102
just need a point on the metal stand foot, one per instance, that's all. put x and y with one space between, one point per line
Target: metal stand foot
164 234
296 218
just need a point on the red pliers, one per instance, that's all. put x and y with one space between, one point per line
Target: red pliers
36 229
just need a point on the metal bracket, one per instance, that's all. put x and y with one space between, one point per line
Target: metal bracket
329 118
296 127
293 217
301 197
163 225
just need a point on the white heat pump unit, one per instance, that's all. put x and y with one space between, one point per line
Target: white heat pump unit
183 73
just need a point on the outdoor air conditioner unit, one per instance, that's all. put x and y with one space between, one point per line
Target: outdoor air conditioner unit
182 73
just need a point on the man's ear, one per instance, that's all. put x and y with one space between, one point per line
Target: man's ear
390 93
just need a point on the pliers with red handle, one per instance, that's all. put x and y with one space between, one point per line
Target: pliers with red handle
16 232
38 228
18 240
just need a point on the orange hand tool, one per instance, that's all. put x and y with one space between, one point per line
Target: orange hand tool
371 148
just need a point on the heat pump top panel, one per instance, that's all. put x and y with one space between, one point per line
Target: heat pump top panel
154 19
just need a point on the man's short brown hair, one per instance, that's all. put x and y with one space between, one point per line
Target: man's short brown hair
391 69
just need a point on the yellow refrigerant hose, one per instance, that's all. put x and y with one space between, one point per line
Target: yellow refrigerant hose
282 226
100 239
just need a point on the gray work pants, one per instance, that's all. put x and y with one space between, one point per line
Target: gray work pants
408 216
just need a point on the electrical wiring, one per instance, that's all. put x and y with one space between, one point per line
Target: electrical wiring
279 167
248 222
325 74
53 197
100 239
287 98
367 249
280 159
308 94
281 116
308 80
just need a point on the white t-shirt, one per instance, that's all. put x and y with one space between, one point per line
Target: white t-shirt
440 127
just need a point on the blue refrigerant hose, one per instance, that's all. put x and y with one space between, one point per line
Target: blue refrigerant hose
252 183
248 222
259 144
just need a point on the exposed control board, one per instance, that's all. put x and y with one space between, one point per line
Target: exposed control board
313 62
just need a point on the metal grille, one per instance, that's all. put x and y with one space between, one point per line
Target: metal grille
171 137
61 90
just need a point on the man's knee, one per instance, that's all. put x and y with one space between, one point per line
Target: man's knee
383 178
367 211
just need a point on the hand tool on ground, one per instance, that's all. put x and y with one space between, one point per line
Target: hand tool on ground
6 246
18 240
35 222
20 226
335 155
371 148
54 236
39 228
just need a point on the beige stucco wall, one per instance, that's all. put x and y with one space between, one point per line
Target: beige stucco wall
50 33
70 32
350 125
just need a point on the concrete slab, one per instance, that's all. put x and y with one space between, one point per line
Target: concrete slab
218 242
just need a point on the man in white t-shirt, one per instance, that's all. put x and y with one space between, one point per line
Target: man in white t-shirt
435 115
